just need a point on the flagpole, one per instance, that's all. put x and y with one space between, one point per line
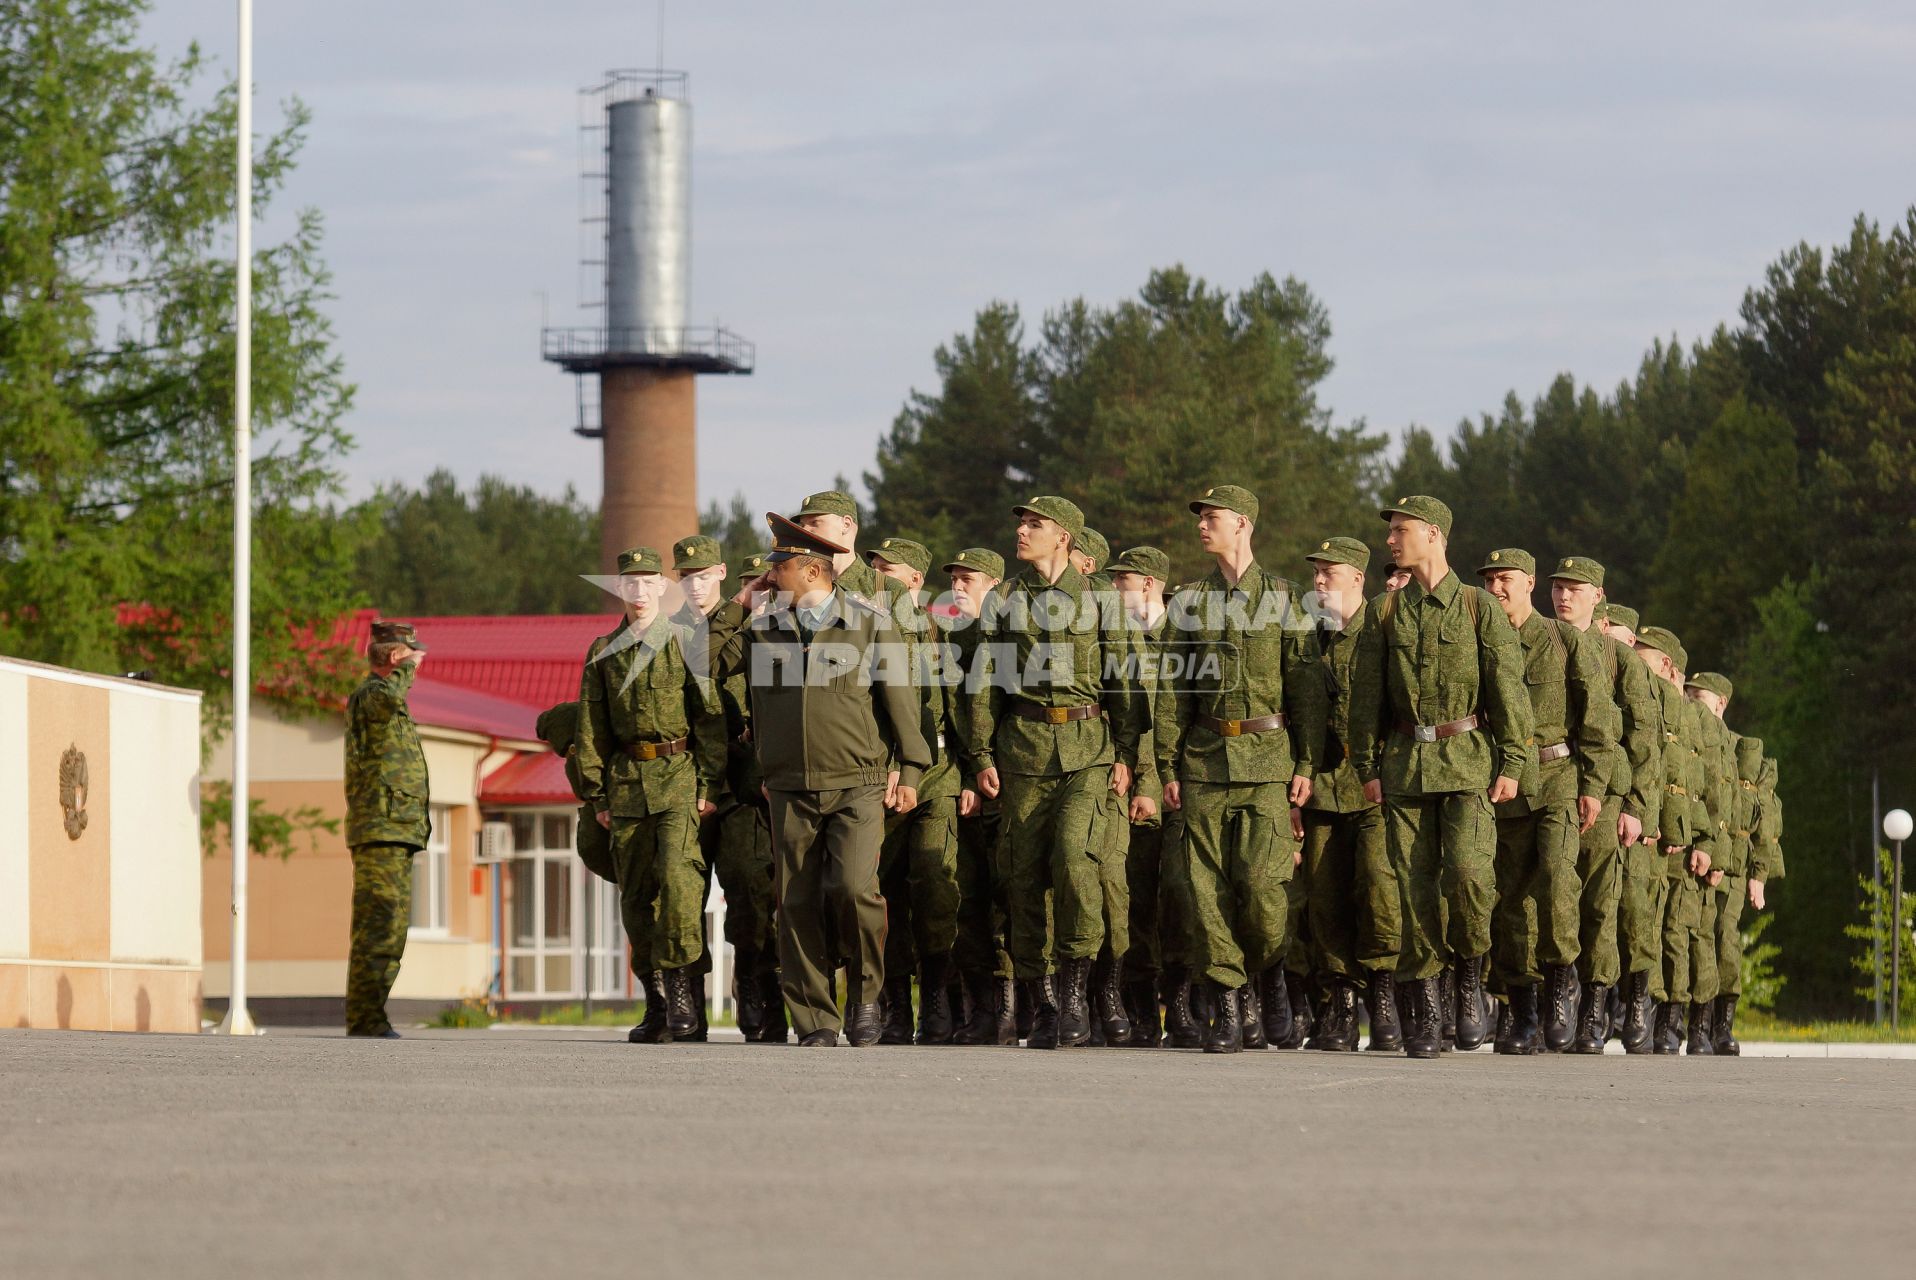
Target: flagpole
239 1020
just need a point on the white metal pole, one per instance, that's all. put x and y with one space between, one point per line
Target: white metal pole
239 1020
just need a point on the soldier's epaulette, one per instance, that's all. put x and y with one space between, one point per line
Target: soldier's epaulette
882 608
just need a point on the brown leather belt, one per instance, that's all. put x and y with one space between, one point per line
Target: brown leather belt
655 750
1238 728
1556 751
1055 715
1438 732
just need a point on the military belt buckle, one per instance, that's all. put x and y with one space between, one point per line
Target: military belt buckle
647 751
1230 728
1424 732
1057 715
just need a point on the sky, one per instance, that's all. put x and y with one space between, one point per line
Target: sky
1484 195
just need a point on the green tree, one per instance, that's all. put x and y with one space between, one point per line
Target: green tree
1884 927
739 527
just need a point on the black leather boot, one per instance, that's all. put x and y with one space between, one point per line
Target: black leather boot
1180 1023
975 1026
1669 1033
1524 1036
1723 1027
1250 1018
1274 1003
1006 999
896 1005
1386 1032
1147 1026
1336 1031
1423 1033
1560 1013
1297 990
934 1001
1044 1013
1700 1037
1226 1034
751 1001
863 1025
1447 993
1108 999
1473 1024
681 1013
1074 1002
775 1028
1026 1006
1593 1022
651 1028
1637 1013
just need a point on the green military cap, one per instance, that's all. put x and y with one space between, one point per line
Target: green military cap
1421 506
1579 569
696 552
832 502
641 560
790 540
558 725
1062 510
1621 615
978 559
1342 551
385 632
1228 497
1095 545
902 551
1507 558
1662 639
1148 561
1712 682
752 566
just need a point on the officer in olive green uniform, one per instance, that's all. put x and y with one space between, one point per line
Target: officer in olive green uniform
1457 725
558 728
1636 780
650 753
1055 721
1709 693
918 868
1560 797
1238 734
835 720
1355 917
386 822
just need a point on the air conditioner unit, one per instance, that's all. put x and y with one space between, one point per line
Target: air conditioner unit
495 842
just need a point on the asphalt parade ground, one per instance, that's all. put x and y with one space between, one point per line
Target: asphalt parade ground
569 1152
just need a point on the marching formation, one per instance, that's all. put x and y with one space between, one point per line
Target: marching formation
1076 804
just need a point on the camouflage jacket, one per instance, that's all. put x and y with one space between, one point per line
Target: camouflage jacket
1569 704
1682 773
1766 846
1637 763
1346 654
386 787
637 689
1717 755
1745 804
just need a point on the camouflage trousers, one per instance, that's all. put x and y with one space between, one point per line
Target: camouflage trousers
1689 941
1114 874
1639 914
661 888
1534 924
1159 888
918 875
1443 851
1355 918
1054 850
382 910
1600 871
1662 890
1729 934
983 910
1239 858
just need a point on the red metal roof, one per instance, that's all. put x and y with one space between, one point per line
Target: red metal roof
534 660
451 706
528 778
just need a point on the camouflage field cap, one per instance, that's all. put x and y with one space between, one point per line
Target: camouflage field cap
1579 569
1712 682
385 632
1228 497
790 540
1662 639
1421 506
832 502
1621 615
1095 545
1342 551
902 551
1063 511
558 726
752 566
696 552
1148 561
641 560
979 560
1508 559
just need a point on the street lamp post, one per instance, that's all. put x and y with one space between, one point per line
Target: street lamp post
1897 825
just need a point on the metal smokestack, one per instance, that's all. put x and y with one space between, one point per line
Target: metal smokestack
648 236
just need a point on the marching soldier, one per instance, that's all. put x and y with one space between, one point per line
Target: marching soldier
649 753
1450 680
836 724
1356 919
1238 733
1055 721
1112 1024
1710 692
387 821
1734 891
1643 889
1558 801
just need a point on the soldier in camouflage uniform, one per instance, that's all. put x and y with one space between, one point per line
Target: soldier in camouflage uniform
387 821
1559 799
1238 733
650 754
1642 892
1709 692
1055 722
1356 919
1746 809
1451 684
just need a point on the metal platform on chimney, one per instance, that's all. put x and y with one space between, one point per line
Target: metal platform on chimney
713 350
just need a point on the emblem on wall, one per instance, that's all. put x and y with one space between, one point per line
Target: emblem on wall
73 791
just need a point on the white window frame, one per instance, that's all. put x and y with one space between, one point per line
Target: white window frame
432 874
607 967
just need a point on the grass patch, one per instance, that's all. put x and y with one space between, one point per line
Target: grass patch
1753 1024
603 1015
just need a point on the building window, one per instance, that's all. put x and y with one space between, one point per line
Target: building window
562 922
432 876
